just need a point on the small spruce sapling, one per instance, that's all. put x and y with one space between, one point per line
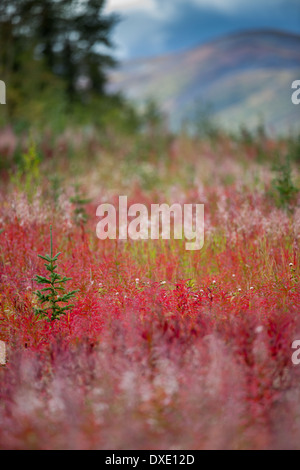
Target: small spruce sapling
80 215
54 294
284 189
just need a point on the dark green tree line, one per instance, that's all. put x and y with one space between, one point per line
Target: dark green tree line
57 44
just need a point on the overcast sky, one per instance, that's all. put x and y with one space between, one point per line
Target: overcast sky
153 27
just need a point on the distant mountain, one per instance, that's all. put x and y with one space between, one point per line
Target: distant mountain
245 78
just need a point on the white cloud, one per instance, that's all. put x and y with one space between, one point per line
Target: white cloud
160 8
123 5
155 5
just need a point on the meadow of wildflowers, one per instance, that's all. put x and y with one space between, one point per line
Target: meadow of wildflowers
163 348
